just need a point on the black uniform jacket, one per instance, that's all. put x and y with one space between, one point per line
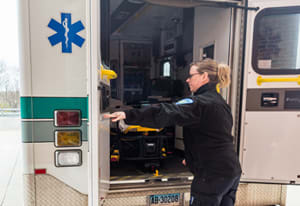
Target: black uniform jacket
207 125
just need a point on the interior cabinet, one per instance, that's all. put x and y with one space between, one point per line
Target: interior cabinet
135 70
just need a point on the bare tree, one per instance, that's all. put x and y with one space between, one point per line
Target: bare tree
9 86
4 79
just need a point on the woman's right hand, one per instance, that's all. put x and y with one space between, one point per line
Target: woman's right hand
184 162
116 116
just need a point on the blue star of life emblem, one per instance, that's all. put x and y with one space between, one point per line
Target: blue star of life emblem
66 33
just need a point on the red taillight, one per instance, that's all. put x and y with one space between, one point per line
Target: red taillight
39 171
64 118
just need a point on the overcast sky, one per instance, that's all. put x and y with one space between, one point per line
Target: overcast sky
9 32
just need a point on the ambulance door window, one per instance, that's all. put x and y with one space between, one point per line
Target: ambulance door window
276 41
208 52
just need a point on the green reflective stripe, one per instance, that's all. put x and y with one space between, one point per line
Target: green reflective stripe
44 107
25 107
43 131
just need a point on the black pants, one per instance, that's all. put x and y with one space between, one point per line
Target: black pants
217 191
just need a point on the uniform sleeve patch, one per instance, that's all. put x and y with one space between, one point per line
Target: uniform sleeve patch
185 101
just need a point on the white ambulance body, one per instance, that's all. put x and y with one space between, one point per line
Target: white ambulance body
67 48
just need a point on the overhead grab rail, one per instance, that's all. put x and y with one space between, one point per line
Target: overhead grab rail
175 3
196 3
261 80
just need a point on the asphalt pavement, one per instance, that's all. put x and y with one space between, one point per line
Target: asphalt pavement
11 189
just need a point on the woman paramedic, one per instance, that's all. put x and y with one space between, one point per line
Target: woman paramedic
207 124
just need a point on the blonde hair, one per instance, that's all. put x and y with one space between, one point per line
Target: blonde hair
217 73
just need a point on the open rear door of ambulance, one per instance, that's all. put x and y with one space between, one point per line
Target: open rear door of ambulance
99 91
270 115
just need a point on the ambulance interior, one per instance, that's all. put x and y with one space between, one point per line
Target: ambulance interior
150 48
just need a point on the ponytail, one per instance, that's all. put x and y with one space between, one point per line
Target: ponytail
223 75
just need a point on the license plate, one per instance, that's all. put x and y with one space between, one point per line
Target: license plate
165 200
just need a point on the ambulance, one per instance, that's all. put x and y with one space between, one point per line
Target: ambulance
83 58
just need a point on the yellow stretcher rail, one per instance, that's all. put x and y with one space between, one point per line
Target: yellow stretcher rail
137 128
261 80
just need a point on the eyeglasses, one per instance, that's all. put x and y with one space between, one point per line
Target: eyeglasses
191 75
